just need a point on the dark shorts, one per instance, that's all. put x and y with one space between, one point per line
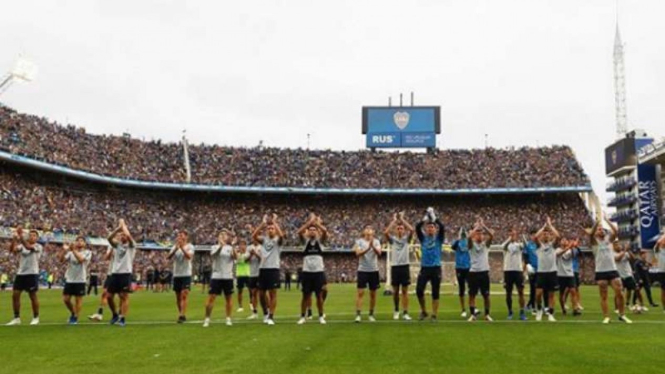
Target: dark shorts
479 282
217 286
607 275
660 278
400 276
74 289
312 282
462 280
28 283
120 283
547 281
182 283
242 282
269 279
253 283
205 277
566 282
577 280
431 274
107 282
513 279
368 279
629 283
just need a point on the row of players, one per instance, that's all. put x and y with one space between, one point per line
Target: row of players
554 268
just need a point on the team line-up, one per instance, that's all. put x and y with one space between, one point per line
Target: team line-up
551 269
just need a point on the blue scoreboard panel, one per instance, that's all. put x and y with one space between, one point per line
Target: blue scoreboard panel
401 127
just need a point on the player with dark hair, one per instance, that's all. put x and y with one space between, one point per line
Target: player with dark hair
254 259
182 254
312 234
271 240
480 240
77 257
223 257
642 266
513 271
622 257
565 273
546 276
659 252
368 250
531 261
462 265
398 234
103 301
27 276
606 269
124 250
242 271
431 234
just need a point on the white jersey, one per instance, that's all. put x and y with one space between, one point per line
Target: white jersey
222 262
182 266
512 256
77 272
479 254
369 262
546 258
623 266
604 256
399 248
254 261
270 253
564 263
28 263
123 259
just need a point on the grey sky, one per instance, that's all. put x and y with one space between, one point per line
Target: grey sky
526 72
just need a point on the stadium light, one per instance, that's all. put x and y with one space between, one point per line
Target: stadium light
24 70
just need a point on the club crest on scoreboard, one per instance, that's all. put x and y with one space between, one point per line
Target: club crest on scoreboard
401 119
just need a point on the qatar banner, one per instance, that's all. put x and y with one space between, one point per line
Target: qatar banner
647 189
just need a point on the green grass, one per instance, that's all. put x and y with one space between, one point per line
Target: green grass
574 345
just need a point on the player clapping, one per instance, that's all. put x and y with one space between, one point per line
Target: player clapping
182 254
480 240
271 236
124 249
398 234
431 234
223 256
368 250
312 234
77 257
513 271
27 277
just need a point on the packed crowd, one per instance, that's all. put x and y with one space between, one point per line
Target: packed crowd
125 157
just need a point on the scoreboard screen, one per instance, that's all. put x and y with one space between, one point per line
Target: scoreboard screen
401 127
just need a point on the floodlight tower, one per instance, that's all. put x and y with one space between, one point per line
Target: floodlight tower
24 71
620 85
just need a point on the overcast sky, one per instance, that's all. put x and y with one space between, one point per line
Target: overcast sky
525 72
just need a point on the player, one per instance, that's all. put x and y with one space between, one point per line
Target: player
398 234
606 269
242 271
531 261
622 258
254 260
659 251
77 257
546 275
513 271
312 234
462 265
124 250
182 254
27 276
223 255
642 266
368 250
565 273
271 249
431 233
103 301
480 240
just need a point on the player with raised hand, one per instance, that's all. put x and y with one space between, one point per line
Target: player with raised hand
223 256
368 250
622 257
659 252
513 271
398 234
124 250
607 274
462 265
546 276
254 260
77 257
181 254
27 276
270 235
312 234
480 240
431 234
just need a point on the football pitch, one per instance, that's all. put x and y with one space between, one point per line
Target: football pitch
153 343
